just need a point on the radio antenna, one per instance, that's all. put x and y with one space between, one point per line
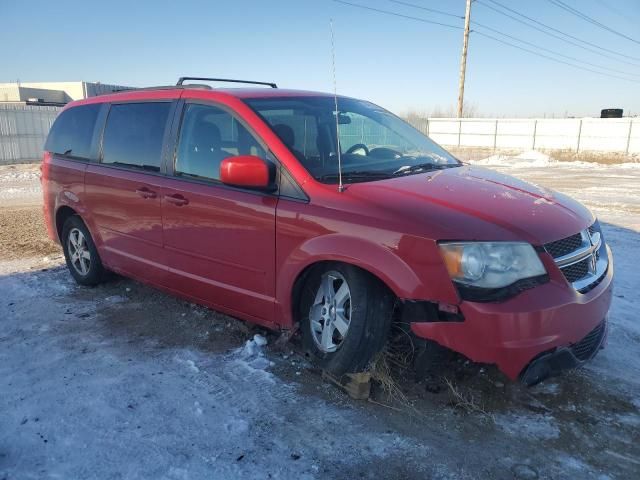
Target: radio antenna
335 100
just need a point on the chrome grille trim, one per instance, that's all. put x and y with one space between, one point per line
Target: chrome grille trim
584 266
582 253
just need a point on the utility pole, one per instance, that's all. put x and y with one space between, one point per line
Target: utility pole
463 59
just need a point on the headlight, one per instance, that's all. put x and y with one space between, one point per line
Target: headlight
490 265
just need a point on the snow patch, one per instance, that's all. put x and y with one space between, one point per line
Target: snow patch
114 299
530 159
236 426
542 427
546 388
535 159
251 356
190 364
11 176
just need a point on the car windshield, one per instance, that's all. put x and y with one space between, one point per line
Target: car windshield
374 143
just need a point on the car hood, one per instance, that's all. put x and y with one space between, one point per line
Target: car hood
475 203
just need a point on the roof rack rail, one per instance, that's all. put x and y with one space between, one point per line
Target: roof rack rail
230 80
194 86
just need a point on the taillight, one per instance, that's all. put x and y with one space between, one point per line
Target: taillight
44 166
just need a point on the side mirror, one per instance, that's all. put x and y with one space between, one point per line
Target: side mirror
247 171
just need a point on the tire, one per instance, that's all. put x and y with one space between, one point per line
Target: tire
86 268
367 313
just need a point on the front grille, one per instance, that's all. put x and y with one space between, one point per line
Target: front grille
565 246
594 284
576 271
587 347
584 268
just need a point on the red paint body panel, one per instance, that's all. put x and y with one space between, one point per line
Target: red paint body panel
241 251
62 186
220 246
126 220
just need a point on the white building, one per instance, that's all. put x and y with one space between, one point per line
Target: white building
53 92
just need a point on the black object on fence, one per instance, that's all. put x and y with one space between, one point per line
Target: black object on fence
611 113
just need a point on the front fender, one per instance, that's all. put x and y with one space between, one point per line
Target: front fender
381 261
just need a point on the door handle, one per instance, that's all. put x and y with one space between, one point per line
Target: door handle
144 192
177 199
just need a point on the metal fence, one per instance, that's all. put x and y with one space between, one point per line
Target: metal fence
23 131
619 135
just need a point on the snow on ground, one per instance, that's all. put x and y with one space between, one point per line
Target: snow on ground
122 381
19 184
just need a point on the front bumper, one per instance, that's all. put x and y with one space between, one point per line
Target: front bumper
511 334
563 358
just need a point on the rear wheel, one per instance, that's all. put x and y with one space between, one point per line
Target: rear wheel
80 253
345 315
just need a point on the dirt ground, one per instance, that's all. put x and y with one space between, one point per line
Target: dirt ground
23 234
123 381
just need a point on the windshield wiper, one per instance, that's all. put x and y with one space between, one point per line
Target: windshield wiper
423 167
357 175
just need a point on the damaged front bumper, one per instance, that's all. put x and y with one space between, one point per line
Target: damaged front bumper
552 363
530 335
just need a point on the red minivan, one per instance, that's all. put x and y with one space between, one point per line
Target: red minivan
294 209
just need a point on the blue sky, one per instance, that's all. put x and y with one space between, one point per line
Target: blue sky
395 62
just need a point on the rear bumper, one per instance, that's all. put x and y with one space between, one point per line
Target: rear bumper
541 322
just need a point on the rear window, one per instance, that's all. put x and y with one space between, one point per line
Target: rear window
72 131
133 135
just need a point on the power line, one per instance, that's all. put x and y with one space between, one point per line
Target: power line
551 51
387 12
557 31
587 18
615 10
523 41
419 19
433 10
554 59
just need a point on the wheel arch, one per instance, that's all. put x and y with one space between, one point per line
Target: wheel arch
379 262
62 214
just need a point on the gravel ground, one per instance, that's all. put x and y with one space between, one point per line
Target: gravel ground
122 381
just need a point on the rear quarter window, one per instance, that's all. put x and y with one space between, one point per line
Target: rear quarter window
133 135
72 132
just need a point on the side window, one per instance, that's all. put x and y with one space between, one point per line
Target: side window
298 131
208 135
72 131
133 135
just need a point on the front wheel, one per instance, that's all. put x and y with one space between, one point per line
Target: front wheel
345 316
80 253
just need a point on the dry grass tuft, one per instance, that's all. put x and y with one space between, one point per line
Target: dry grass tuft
466 402
381 371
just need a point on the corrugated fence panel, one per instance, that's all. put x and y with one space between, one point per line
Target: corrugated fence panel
517 134
587 134
609 136
23 131
445 131
634 138
557 134
477 133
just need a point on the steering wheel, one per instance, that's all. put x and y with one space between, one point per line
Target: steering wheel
357 146
384 152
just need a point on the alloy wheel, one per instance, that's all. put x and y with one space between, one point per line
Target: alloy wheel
330 314
79 253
